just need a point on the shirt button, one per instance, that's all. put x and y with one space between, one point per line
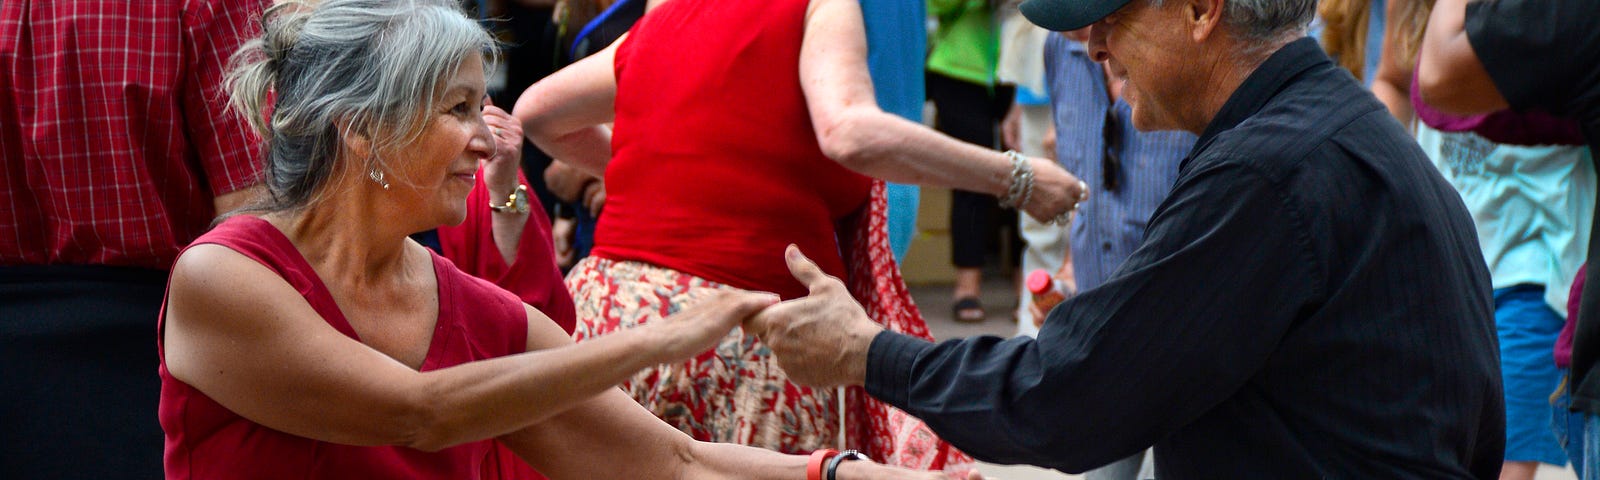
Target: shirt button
1106 246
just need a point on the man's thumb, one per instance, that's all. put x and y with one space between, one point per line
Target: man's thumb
804 270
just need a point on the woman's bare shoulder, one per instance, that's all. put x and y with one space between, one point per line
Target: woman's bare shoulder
219 279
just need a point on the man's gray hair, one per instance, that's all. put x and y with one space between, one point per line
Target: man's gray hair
1266 20
335 69
1269 19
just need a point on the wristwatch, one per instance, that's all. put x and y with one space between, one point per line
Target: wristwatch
831 471
517 203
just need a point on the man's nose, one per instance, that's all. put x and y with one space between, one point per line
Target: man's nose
1097 42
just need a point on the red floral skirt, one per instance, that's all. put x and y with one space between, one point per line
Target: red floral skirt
736 393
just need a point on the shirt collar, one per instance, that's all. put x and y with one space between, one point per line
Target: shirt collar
1261 86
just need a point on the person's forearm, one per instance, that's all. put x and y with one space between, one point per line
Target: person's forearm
588 150
1398 103
737 462
1391 83
508 227
881 145
489 398
728 461
566 113
502 177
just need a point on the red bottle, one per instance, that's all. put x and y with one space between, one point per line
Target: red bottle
1046 295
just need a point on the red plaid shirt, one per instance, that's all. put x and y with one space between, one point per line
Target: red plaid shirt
114 127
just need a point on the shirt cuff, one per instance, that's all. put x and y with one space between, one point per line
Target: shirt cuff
889 363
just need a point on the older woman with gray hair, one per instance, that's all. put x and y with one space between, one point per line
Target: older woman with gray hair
310 338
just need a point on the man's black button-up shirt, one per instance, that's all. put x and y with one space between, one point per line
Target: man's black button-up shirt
1310 302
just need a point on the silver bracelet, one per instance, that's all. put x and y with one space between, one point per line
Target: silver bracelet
1021 182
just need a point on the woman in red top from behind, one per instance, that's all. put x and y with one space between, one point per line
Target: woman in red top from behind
740 127
310 338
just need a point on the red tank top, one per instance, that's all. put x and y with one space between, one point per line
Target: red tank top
206 440
715 166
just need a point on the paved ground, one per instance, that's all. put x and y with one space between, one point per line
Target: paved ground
1000 301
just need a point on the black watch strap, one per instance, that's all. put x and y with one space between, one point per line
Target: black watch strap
832 470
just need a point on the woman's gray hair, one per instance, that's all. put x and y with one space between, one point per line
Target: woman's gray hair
328 70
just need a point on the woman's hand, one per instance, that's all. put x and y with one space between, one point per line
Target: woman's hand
700 326
500 171
594 197
1055 192
563 236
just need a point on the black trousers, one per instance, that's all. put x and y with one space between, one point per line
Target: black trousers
78 380
972 113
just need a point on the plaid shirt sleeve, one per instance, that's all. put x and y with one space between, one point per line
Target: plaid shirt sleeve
229 153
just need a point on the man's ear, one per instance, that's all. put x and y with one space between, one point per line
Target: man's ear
1203 18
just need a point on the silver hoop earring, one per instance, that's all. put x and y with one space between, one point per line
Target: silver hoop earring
377 177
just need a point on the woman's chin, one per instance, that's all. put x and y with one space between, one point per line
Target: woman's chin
455 217
456 209
448 216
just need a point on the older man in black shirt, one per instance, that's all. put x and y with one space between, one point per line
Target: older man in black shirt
1310 301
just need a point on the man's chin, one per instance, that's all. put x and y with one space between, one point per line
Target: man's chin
1142 122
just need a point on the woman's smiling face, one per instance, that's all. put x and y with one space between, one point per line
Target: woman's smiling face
438 168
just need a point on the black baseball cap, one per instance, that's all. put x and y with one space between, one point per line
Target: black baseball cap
1068 15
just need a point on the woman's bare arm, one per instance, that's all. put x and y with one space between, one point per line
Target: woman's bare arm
246 338
613 437
855 132
566 113
1392 82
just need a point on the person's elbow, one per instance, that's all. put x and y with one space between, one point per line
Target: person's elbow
849 138
1437 86
537 117
430 421
1453 80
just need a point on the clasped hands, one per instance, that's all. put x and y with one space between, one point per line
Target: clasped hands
820 340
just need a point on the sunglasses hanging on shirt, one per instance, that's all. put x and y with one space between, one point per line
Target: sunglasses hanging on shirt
1110 163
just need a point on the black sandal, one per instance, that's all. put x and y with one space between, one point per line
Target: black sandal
968 310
